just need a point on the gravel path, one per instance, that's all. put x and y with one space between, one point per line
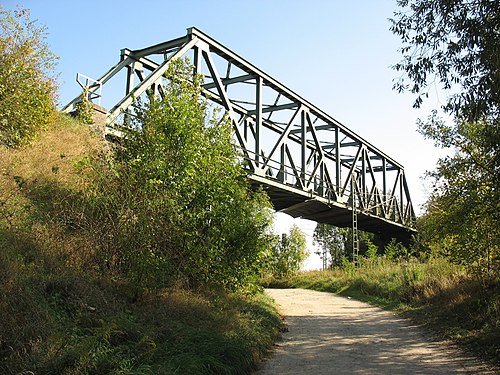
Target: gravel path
328 334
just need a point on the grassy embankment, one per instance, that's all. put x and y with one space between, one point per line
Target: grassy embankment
435 294
59 314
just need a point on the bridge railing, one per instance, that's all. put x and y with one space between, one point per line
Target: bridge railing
386 207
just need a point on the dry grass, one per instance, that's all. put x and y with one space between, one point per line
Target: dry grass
41 187
53 155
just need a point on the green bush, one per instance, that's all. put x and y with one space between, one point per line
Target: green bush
175 199
63 311
288 253
27 85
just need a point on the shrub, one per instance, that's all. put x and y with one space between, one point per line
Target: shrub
27 85
178 204
288 253
59 315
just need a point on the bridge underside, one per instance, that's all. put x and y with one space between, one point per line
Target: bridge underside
311 208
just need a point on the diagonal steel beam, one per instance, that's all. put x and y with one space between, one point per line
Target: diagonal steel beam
226 102
144 85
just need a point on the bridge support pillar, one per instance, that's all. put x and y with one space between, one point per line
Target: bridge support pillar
99 119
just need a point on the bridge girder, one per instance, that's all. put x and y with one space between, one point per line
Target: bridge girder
311 165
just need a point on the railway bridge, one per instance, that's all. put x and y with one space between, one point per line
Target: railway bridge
311 165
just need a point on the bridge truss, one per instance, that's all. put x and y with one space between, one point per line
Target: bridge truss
311 165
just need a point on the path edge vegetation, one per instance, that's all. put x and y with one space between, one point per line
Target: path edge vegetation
63 309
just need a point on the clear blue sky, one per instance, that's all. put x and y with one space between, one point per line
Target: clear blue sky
336 54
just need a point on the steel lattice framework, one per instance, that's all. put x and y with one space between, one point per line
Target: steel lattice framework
311 165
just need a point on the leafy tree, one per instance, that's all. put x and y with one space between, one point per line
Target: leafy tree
454 43
181 203
288 254
27 84
396 250
333 241
371 249
463 213
337 243
473 169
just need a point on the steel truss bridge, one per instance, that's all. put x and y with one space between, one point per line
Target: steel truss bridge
311 165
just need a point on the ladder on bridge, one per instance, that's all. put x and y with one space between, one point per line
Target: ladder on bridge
355 237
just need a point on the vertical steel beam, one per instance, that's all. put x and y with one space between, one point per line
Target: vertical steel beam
197 60
401 200
321 190
408 200
130 79
363 178
384 177
337 161
245 129
258 117
282 174
303 149
386 203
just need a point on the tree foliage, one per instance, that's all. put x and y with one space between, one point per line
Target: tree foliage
288 254
333 243
336 244
472 171
462 217
455 44
179 197
27 84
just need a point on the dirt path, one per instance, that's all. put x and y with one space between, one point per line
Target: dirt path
328 334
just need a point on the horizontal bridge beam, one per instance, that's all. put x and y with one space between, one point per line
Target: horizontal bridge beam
161 47
273 108
230 81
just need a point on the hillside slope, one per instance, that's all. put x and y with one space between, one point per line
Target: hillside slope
60 313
